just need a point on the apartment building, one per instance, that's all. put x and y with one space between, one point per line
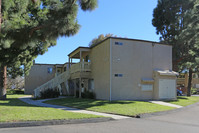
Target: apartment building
114 69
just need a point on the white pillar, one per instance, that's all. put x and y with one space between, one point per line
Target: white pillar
71 62
80 87
68 62
80 60
75 88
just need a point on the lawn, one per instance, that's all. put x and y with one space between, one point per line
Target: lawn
13 110
184 101
128 108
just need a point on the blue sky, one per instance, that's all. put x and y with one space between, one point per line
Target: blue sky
124 18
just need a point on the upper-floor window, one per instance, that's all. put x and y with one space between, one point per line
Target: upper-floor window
118 43
118 75
50 69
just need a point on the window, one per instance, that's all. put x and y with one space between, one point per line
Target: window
147 87
50 69
90 84
118 43
118 75
64 69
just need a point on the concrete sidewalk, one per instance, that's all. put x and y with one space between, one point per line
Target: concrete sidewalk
166 104
28 100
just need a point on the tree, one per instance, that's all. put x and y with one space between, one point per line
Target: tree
30 27
15 83
190 34
170 19
99 39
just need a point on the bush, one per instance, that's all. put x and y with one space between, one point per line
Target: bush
14 91
77 93
88 94
194 90
50 93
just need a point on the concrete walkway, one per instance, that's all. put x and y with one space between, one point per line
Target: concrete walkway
166 104
28 100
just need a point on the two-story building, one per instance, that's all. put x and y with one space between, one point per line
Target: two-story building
117 69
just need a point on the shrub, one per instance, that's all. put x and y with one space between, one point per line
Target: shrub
88 94
194 90
77 93
14 91
50 93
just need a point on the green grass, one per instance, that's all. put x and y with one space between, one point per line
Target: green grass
13 110
14 91
128 108
184 101
194 91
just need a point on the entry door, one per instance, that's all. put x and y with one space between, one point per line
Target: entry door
167 88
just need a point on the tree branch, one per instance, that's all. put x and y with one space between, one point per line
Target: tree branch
74 1
34 1
35 29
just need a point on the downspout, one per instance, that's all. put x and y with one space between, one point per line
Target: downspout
110 97
153 74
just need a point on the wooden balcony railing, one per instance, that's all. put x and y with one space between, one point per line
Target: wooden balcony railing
80 67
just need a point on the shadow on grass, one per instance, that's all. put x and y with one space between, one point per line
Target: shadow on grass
84 103
14 102
178 98
185 98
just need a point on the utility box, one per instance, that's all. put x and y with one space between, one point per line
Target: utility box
164 84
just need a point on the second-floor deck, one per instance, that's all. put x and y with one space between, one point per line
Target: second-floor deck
80 67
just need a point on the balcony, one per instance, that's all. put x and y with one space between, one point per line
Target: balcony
83 68
80 67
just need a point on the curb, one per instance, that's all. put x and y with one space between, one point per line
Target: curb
52 122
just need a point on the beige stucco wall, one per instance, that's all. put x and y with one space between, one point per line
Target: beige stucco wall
136 60
162 57
100 66
38 75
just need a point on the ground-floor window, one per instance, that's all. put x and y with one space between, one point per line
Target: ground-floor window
91 84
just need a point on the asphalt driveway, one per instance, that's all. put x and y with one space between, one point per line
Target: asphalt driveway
185 116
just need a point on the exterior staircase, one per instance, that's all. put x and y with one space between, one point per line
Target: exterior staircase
53 83
61 81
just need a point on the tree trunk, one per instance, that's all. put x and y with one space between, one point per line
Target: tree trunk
189 83
3 82
3 72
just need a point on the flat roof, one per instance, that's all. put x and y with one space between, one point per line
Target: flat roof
120 39
167 72
77 49
130 40
48 64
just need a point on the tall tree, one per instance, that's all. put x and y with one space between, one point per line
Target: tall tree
99 39
190 35
30 27
170 19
